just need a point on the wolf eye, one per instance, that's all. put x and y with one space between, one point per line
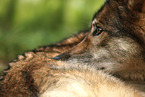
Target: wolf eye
97 31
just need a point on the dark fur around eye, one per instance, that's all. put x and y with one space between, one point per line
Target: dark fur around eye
97 31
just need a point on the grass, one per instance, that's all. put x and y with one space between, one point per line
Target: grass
27 24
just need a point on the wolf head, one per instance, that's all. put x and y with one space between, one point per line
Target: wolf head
116 41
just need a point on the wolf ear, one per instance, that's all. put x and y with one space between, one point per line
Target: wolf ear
136 5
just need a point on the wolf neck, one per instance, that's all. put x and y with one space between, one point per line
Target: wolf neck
136 78
131 75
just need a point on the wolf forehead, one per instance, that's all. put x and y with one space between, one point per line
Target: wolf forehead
121 9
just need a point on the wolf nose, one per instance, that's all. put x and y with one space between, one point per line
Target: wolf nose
62 57
56 57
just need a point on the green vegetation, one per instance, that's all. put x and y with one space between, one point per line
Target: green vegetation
27 24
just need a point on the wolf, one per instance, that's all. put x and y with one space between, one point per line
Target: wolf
115 43
105 61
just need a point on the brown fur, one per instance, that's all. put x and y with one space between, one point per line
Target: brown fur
47 79
119 51
12 78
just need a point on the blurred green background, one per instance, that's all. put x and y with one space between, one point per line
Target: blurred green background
27 24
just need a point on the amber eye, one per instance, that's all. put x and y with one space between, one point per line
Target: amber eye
97 31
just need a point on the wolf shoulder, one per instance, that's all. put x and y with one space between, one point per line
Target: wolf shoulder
85 81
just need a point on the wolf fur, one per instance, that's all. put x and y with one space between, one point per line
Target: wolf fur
111 64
